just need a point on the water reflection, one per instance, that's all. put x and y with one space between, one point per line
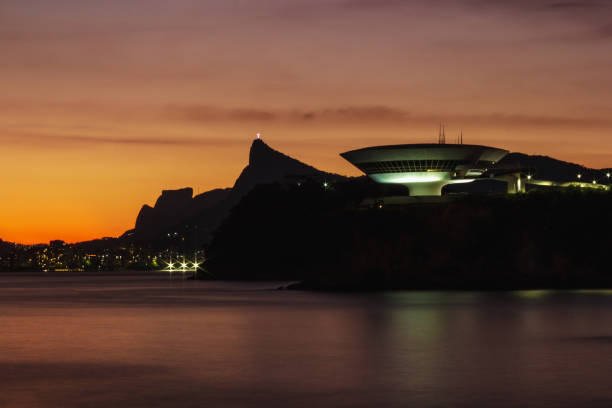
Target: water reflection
130 341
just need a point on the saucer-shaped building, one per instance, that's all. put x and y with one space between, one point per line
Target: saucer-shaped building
425 168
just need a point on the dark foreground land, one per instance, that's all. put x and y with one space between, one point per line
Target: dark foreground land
542 239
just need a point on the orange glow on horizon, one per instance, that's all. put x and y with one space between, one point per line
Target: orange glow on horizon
103 106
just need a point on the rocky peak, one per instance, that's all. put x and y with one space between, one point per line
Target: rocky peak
260 151
174 198
262 156
266 165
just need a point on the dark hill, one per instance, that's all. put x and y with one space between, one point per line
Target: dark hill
548 168
6 247
172 207
542 239
176 212
542 168
266 166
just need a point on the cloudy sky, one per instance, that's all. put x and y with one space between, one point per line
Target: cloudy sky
105 103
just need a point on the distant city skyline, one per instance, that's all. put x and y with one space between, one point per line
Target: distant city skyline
104 104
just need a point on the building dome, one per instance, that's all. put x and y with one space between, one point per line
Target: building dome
425 168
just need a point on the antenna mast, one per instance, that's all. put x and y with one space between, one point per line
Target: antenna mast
442 134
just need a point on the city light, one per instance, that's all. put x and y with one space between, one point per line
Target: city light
183 266
69 257
579 176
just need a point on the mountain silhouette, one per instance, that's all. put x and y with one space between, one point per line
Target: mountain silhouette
267 165
548 168
176 210
540 168
172 207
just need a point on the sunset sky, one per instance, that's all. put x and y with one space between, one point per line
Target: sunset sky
105 103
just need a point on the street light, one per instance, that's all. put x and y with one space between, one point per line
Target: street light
579 176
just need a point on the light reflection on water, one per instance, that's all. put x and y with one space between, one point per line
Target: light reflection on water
146 341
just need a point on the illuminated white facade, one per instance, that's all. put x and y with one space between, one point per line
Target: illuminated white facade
425 168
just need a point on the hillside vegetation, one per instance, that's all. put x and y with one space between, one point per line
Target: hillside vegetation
321 236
